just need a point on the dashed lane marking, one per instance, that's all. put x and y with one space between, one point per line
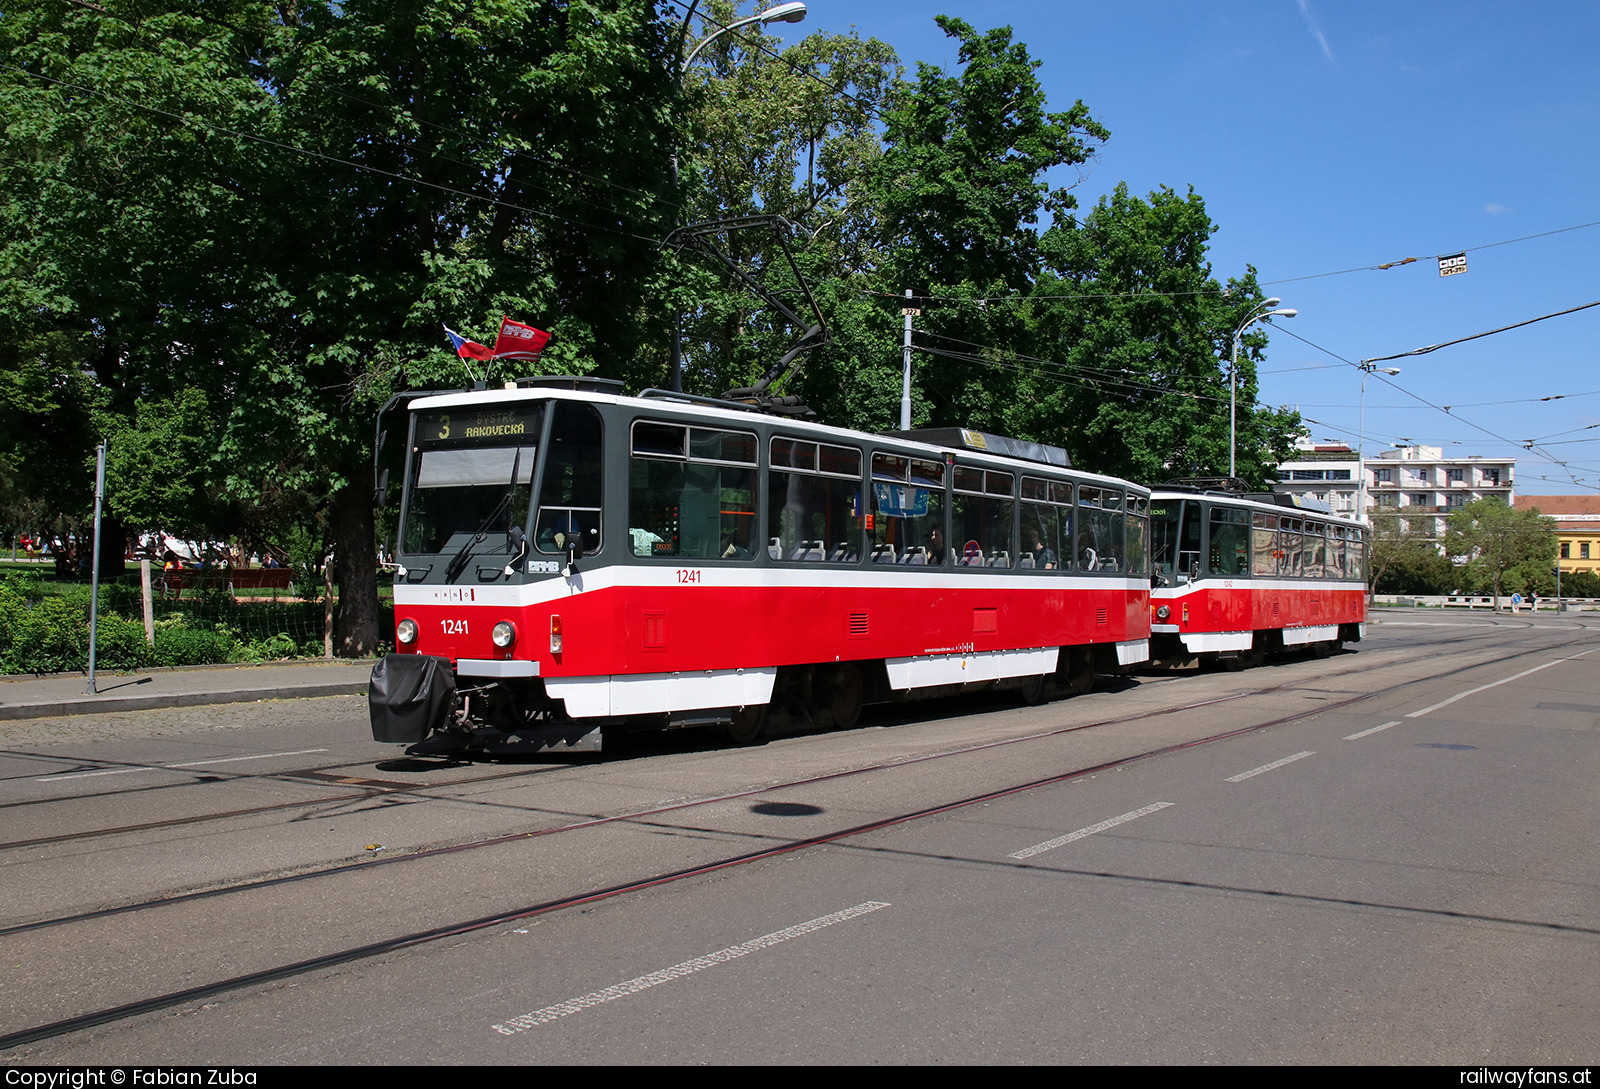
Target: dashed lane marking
678 971
1072 837
166 767
1375 729
1243 775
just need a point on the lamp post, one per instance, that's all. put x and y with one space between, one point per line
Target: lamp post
1262 312
792 12
1361 437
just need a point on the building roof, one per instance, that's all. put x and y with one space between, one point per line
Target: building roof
1563 507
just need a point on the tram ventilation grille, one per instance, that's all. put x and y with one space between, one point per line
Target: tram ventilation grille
1100 618
858 625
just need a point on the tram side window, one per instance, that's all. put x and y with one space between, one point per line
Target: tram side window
691 492
813 502
1229 542
906 525
1100 544
1138 535
570 497
1316 550
1264 543
1337 539
1046 524
981 521
1290 542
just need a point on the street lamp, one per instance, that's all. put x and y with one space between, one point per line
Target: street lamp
792 12
1262 312
1361 437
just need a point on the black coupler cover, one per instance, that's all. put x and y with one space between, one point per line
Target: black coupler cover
409 695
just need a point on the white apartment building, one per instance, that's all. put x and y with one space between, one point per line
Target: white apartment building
1417 482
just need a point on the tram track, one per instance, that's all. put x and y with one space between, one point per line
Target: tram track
438 792
401 942
320 775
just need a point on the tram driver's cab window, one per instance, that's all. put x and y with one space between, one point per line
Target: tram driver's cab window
906 523
573 485
691 492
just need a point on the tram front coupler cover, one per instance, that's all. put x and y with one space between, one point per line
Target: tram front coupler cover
410 696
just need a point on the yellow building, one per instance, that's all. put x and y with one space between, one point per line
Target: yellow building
1577 519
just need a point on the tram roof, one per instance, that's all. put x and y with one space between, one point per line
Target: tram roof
731 413
1252 501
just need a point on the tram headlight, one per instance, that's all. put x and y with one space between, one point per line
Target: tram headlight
1162 612
504 634
406 631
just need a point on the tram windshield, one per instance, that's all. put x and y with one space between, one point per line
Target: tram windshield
470 479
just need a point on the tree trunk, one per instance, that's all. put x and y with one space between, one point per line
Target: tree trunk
356 568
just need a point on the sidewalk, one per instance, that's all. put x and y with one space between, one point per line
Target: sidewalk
186 686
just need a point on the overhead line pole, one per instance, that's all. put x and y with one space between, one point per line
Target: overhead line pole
905 365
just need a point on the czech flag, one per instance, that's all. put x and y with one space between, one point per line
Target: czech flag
467 349
518 341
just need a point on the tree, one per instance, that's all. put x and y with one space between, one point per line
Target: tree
278 205
1404 559
1494 539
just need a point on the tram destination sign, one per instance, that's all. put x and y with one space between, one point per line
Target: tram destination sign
501 425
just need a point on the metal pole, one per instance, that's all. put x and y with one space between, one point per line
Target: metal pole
94 577
1233 395
905 368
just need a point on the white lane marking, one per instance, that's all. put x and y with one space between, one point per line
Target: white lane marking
1375 729
1495 684
678 971
1243 775
164 767
1072 837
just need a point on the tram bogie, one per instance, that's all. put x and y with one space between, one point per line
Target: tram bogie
575 562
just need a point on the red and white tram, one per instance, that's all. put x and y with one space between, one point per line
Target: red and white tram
1238 577
571 559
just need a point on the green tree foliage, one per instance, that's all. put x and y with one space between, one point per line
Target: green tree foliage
278 205
1404 559
1501 545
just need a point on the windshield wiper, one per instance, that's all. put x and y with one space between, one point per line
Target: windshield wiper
462 558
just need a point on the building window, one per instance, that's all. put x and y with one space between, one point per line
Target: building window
1566 550
1491 477
1583 550
1458 476
1383 476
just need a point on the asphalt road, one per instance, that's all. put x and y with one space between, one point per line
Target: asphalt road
1384 856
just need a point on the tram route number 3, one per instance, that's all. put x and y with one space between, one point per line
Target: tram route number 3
454 627
688 576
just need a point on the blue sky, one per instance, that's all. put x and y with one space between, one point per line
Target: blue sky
1328 136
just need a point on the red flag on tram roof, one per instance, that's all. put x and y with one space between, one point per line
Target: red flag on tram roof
519 341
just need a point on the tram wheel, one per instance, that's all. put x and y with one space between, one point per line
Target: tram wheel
1080 670
749 724
1033 689
846 696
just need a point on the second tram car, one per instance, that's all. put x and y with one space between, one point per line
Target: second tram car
571 559
1238 577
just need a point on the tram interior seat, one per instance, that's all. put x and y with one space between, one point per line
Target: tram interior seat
1000 558
811 552
916 556
883 553
775 548
1026 563
840 553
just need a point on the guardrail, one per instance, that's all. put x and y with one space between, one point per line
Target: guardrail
1485 601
